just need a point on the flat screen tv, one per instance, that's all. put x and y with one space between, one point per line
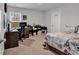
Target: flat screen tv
23 24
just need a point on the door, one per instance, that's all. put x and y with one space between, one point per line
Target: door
55 22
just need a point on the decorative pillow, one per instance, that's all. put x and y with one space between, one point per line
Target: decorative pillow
78 30
70 29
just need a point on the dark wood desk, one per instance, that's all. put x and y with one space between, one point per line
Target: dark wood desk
11 39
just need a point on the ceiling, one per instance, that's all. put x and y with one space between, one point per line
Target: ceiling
36 6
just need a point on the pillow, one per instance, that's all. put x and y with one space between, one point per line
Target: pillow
70 29
78 30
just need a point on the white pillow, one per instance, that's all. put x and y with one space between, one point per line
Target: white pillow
78 31
70 29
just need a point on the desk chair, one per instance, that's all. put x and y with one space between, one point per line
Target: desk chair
43 30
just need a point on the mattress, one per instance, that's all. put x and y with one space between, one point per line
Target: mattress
63 41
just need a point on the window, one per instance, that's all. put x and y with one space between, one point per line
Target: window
15 16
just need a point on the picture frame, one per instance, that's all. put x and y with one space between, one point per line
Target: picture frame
24 17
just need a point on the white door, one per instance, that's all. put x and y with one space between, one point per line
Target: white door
55 22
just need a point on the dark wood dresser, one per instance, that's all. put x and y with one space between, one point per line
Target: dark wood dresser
11 39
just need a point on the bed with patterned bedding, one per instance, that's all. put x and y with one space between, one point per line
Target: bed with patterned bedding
67 43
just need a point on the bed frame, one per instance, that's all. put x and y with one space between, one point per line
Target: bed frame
58 52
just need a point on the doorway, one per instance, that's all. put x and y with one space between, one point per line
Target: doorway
55 22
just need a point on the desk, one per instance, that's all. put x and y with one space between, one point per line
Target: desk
11 39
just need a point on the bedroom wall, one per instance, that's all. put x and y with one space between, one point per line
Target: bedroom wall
2 30
69 16
48 16
1 17
33 16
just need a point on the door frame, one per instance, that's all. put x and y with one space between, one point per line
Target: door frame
59 21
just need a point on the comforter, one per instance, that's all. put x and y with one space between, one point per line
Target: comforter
65 42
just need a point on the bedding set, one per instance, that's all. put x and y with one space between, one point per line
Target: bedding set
64 42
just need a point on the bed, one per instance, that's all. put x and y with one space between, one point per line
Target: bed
65 42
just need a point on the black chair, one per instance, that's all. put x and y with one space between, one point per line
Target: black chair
44 29
32 31
38 27
20 34
21 30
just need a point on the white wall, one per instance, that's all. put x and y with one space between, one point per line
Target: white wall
1 29
48 20
1 17
48 16
69 15
33 16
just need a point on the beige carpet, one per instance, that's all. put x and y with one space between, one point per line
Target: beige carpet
30 46
27 42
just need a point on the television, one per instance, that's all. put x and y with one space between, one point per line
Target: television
23 24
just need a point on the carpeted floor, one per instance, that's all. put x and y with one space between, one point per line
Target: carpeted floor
27 42
30 46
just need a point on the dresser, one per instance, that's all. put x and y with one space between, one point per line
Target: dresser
11 39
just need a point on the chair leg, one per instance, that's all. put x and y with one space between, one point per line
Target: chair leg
45 45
